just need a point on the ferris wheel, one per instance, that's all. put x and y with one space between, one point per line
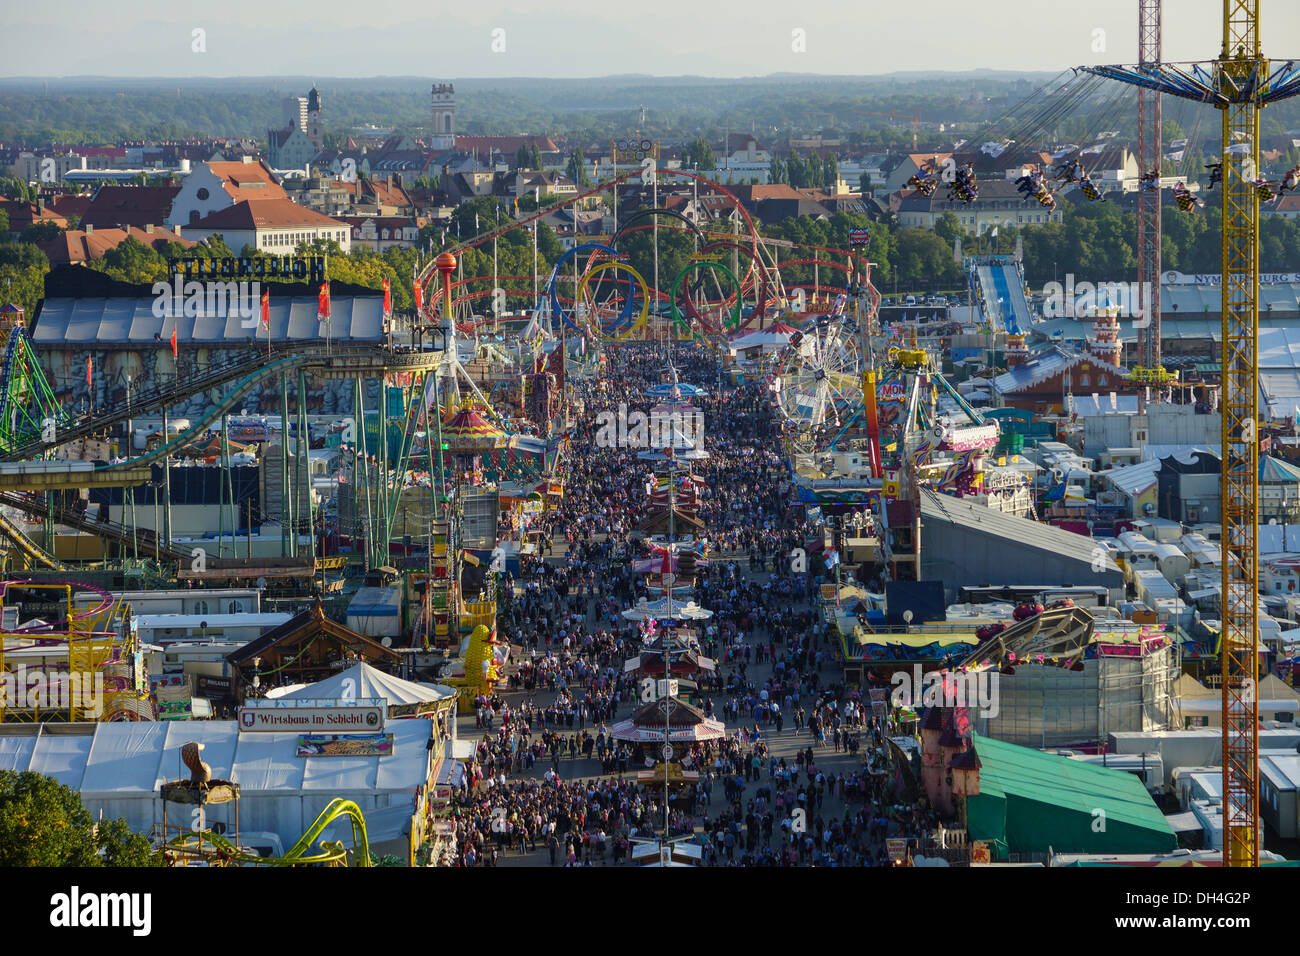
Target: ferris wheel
818 380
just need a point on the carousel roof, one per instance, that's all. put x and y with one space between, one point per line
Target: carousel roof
468 429
366 682
680 449
658 610
655 565
658 521
675 390
684 723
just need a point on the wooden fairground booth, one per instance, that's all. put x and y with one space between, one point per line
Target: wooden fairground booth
303 650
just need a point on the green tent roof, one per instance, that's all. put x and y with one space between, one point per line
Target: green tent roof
1030 802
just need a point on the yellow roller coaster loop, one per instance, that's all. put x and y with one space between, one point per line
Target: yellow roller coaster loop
619 335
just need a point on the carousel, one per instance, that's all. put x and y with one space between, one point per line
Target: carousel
468 436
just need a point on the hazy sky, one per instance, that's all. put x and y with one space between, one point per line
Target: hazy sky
576 38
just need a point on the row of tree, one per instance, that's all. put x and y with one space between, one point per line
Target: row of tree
812 172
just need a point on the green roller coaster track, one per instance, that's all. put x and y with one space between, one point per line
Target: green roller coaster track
27 403
192 844
21 379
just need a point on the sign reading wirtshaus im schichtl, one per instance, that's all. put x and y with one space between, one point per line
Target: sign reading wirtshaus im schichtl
334 716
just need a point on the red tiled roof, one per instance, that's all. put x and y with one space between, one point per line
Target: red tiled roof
24 214
263 214
114 206
506 144
68 205
116 152
768 191
248 180
77 245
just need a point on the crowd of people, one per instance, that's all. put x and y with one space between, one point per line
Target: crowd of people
548 776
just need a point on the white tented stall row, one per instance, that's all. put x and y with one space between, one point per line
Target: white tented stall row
118 768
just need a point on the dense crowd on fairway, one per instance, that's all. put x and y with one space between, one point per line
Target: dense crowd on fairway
548 779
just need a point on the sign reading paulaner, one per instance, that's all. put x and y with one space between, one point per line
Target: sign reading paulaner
360 717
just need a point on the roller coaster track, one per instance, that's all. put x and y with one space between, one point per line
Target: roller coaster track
244 372
29 548
297 855
81 521
141 539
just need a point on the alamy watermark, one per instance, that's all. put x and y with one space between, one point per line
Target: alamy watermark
622 428
1083 300
210 299
973 689
35 689
75 909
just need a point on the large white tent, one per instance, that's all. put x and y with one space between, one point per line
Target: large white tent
363 682
118 768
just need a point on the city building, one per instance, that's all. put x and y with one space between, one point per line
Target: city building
214 186
270 225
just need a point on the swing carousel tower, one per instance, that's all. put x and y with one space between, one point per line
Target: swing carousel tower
1148 200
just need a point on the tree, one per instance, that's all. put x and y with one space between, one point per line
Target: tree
17 190
948 228
523 160
796 171
576 168
132 261
700 155
40 232
22 274
43 823
535 155
864 184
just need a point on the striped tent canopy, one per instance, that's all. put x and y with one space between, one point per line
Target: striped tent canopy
469 431
1277 471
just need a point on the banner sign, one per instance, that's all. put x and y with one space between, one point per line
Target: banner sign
313 716
353 745
307 268
1265 278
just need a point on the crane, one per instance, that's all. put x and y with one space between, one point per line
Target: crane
1239 83
915 118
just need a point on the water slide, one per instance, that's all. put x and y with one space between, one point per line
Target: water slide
1003 295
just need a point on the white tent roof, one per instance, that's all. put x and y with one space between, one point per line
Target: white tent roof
659 609
754 339
371 683
136 758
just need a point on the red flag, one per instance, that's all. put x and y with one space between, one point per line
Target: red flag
419 298
175 351
88 378
323 303
266 310
388 300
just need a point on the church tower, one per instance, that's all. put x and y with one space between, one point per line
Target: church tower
444 117
315 130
